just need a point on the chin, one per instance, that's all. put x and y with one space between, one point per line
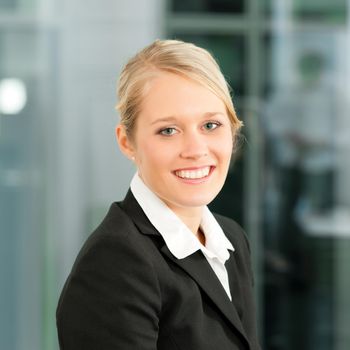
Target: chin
196 201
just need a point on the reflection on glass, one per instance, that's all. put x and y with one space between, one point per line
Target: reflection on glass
313 10
18 6
330 11
22 208
304 216
8 4
13 96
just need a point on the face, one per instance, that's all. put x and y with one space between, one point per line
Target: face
182 143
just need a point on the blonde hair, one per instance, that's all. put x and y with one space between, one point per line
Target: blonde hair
174 56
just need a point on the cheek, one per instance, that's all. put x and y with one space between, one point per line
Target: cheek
153 155
224 148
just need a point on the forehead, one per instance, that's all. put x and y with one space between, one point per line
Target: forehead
172 94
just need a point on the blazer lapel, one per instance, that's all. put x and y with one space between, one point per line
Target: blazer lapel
235 287
194 265
199 269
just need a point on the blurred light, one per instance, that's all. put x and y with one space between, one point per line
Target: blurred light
13 96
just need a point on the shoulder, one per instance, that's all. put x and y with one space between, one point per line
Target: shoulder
113 253
117 226
115 242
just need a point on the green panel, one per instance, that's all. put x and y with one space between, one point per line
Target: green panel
229 51
211 6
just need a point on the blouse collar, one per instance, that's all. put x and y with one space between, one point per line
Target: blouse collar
177 236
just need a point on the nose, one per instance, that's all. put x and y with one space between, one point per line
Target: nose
194 146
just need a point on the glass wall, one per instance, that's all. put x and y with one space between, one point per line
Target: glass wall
287 63
26 87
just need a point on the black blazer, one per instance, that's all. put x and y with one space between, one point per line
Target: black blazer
126 291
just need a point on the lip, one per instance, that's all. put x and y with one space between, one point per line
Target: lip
195 168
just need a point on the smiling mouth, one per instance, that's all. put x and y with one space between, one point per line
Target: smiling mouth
193 174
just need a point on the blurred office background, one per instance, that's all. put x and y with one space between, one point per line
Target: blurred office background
288 62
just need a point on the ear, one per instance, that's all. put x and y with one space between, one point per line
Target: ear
124 142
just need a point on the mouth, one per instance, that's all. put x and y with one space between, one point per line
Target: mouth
194 173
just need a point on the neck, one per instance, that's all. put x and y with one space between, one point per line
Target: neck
191 217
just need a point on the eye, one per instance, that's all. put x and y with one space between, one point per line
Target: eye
168 131
211 125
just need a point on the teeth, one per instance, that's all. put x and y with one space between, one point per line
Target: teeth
193 174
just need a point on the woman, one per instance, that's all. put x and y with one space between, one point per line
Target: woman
161 271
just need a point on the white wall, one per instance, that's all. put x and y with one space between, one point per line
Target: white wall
95 40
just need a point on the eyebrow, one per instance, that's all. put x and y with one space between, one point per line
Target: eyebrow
172 118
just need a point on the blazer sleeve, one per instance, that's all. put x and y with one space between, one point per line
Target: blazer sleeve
111 299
